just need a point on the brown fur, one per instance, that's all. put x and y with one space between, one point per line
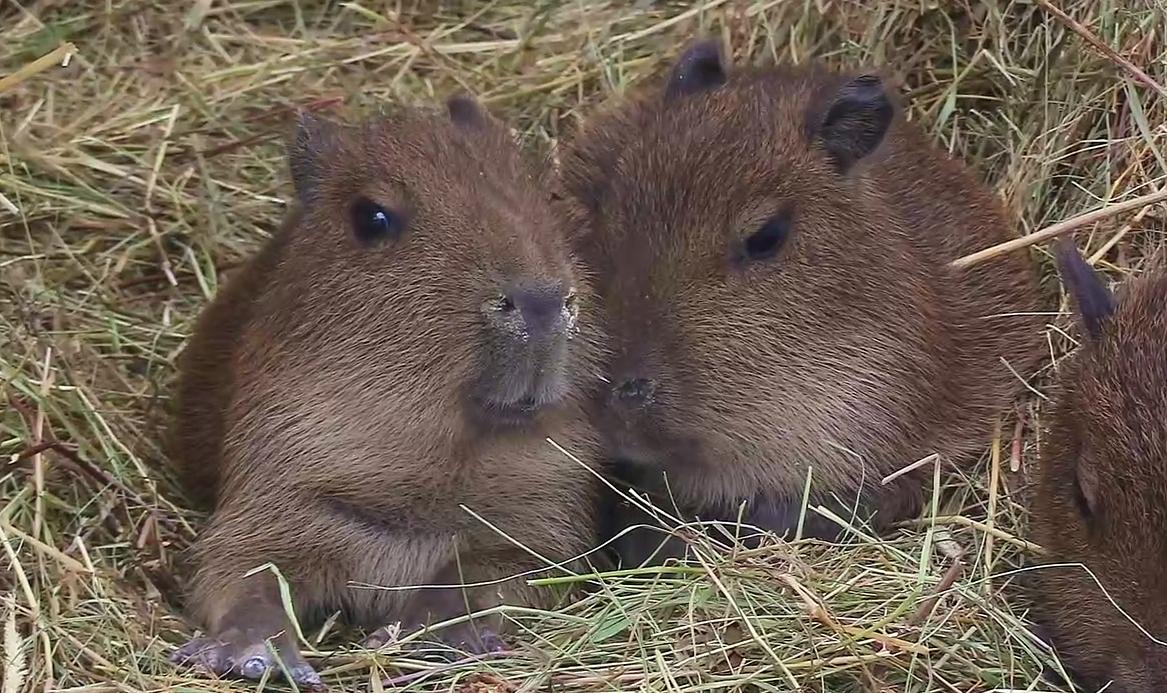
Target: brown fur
857 349
332 397
1101 491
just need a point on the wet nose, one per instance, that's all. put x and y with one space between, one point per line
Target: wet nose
633 392
538 309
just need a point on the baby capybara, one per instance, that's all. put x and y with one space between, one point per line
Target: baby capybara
403 346
772 247
1100 498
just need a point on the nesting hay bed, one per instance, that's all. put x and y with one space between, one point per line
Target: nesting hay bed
135 176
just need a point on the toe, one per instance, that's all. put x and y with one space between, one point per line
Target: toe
306 677
180 654
254 667
258 660
204 653
254 660
490 641
377 639
190 649
475 639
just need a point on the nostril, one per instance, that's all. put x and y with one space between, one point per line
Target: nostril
635 390
540 305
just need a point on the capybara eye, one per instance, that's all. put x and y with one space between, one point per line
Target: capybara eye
765 243
372 222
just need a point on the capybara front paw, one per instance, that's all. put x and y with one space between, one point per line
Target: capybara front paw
449 643
380 638
478 640
489 641
246 660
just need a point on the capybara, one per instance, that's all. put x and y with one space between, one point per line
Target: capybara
403 346
1100 493
771 247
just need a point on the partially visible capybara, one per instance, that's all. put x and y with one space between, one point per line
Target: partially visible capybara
772 249
402 347
1100 497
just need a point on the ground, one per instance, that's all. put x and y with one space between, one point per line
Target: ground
133 177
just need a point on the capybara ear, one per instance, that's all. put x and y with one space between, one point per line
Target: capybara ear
1087 495
1093 302
312 139
856 121
698 69
466 112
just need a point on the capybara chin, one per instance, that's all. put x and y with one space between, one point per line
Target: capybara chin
772 249
1100 497
402 347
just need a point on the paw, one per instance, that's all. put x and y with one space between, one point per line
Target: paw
465 639
454 642
473 640
248 661
381 637
489 642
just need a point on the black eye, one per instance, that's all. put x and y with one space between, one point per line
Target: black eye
372 222
765 243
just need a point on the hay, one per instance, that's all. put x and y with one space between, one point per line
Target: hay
133 177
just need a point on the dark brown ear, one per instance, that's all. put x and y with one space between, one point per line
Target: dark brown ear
855 121
1087 491
1093 302
466 112
699 68
312 139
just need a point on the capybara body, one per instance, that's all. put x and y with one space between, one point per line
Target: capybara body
1100 497
771 247
403 346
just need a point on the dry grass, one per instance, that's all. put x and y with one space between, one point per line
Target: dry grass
130 179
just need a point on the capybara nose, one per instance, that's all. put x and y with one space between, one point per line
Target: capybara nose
539 309
633 392
543 307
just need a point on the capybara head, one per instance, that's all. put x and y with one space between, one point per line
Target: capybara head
1101 493
425 264
757 295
